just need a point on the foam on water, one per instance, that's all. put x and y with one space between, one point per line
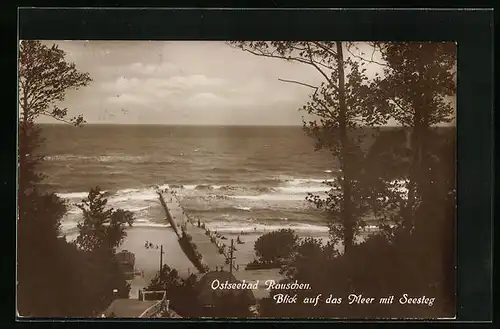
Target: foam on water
215 199
73 195
270 197
96 158
232 227
304 189
243 208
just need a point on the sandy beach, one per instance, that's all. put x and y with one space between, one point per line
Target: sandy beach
148 259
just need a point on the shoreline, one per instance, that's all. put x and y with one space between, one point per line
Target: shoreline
148 260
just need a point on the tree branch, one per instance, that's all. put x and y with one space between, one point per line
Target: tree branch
271 55
299 83
43 112
320 71
314 95
367 60
331 51
296 59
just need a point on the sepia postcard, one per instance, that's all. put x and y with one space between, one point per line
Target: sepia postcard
236 179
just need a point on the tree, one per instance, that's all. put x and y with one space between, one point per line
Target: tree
181 292
418 257
276 247
101 228
55 278
418 80
338 105
44 78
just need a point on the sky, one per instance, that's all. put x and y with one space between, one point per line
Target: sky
185 82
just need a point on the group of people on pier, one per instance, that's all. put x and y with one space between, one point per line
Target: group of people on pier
214 236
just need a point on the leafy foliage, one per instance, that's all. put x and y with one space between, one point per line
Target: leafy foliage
181 292
101 228
419 79
339 105
406 185
275 247
44 78
55 278
417 263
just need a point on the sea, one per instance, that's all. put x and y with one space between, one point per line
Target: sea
234 178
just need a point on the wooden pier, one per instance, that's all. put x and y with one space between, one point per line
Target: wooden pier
209 244
215 252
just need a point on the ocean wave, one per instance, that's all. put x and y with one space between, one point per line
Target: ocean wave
158 161
204 187
304 189
294 189
70 229
217 210
268 181
259 228
232 170
141 195
96 158
243 208
270 197
235 188
73 195
136 208
258 200
305 181
222 188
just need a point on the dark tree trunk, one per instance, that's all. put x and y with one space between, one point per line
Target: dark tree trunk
348 224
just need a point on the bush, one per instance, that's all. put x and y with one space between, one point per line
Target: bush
101 228
276 247
180 292
411 264
69 283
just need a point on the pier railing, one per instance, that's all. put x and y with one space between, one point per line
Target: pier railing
189 248
158 308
